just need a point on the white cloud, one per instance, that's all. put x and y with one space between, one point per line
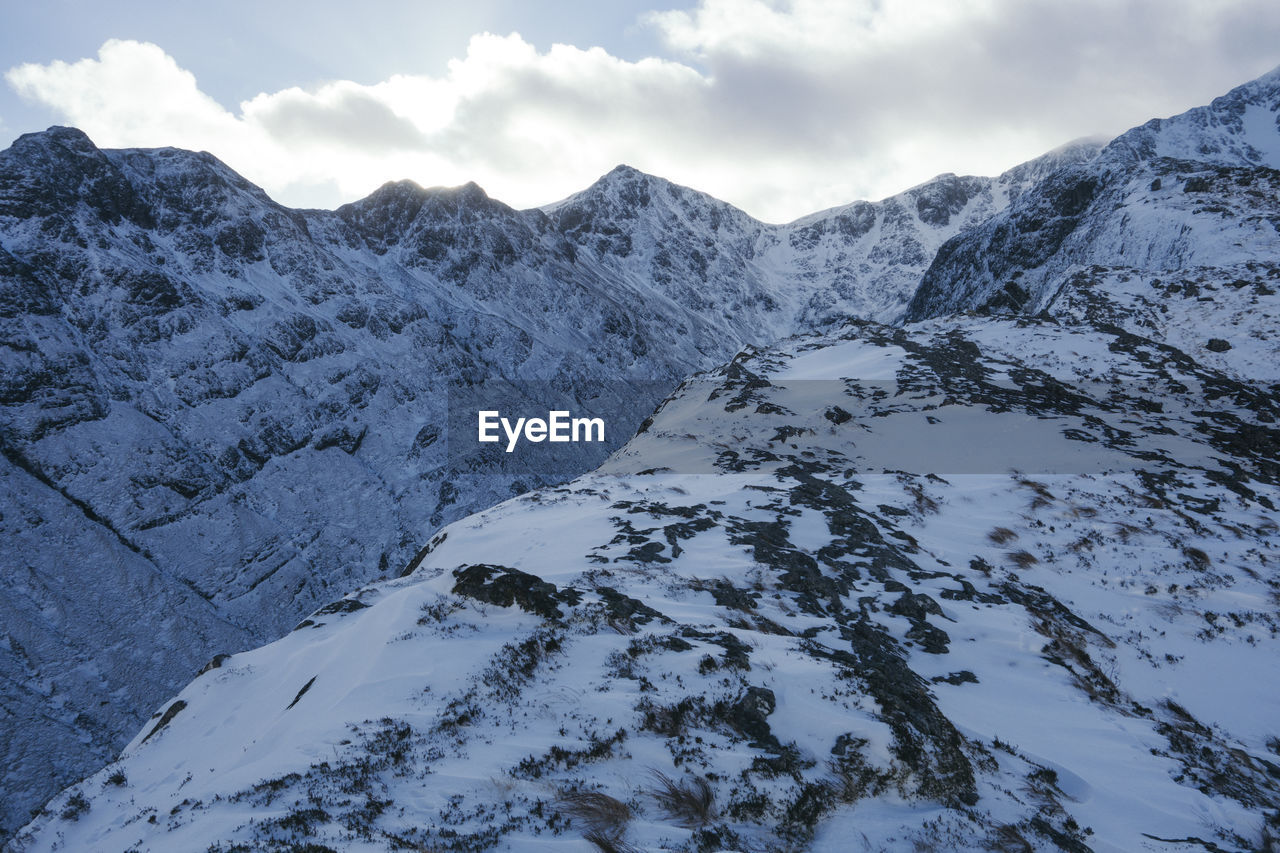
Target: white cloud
779 107
132 91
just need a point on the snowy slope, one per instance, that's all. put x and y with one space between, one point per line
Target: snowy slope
206 382
813 652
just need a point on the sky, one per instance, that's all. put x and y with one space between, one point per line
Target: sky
781 107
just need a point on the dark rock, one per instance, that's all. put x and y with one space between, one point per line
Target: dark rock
505 586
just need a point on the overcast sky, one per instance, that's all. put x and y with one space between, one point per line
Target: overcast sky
780 107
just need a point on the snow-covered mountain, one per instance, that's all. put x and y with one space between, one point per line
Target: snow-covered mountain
1175 202
997 581
199 385
742 633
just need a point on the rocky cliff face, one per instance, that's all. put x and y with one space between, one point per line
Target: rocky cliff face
199 385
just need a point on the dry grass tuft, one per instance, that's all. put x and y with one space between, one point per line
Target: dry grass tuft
1023 559
1199 559
606 843
1001 536
689 803
1124 532
1040 489
1008 839
1084 543
604 818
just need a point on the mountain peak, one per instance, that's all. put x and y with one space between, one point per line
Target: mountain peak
406 193
404 186
623 175
61 134
470 193
622 170
60 167
392 193
466 200
42 144
1025 175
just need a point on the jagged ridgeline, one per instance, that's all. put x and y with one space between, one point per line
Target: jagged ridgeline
740 633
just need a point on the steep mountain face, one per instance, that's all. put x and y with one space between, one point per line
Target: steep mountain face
743 633
204 383
895 240
1175 202
84 615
